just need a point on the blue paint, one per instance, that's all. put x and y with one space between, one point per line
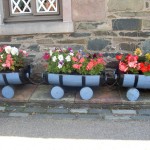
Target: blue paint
72 80
86 93
57 92
133 94
8 92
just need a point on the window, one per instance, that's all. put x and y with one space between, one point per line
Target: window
35 16
32 10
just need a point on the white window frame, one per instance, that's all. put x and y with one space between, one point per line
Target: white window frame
65 26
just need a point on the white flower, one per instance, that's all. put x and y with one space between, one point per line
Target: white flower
50 52
61 57
8 49
71 54
14 51
54 59
68 58
60 66
2 56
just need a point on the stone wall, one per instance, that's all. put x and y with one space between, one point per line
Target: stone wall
108 26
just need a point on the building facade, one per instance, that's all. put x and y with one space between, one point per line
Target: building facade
107 26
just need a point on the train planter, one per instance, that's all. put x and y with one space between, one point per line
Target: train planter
134 82
86 82
9 79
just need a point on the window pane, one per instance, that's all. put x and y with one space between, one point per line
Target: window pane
46 6
20 6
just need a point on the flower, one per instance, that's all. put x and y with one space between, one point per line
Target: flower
69 61
136 63
11 58
138 52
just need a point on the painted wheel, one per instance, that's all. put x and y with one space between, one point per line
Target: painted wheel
57 92
8 92
133 94
86 93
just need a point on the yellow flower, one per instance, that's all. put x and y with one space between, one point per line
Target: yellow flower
147 56
138 52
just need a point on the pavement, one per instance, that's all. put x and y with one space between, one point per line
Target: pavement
108 102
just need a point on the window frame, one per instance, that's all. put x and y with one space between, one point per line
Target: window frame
8 18
40 27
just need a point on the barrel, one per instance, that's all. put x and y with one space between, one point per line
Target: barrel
135 80
74 80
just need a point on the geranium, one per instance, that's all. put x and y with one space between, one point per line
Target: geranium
134 64
75 62
11 58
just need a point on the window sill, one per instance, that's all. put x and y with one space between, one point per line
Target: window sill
36 27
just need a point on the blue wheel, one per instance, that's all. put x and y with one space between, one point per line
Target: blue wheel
8 92
86 93
133 94
57 92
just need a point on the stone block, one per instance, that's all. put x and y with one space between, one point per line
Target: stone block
76 41
127 47
76 35
146 45
34 47
55 36
140 118
144 112
105 33
24 38
126 24
124 112
81 110
135 34
146 24
97 44
57 110
18 115
127 5
88 26
5 38
35 109
111 117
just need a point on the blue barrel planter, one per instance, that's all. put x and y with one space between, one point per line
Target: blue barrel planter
134 82
84 81
9 79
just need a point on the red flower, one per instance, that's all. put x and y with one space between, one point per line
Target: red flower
143 67
119 57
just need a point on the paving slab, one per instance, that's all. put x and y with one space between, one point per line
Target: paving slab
124 112
23 93
102 95
144 97
42 93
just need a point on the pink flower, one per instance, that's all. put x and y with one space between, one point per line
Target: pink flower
77 66
90 65
82 60
132 58
74 59
123 67
132 64
46 56
101 61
